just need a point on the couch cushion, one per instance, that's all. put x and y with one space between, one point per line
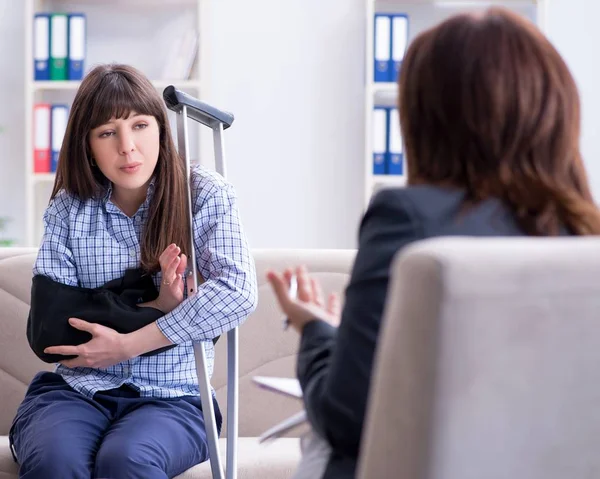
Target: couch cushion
8 467
276 460
18 364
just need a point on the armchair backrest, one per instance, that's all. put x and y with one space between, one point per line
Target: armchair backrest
488 361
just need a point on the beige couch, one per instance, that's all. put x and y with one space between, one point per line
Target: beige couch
264 350
488 364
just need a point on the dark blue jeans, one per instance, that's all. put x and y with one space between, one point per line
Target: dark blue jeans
60 433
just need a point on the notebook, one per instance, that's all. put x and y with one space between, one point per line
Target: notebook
288 387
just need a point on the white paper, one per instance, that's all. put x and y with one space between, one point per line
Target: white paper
287 386
283 427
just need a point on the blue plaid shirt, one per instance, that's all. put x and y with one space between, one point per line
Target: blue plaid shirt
88 243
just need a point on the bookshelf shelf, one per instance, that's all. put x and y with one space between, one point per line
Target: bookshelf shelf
389 180
39 178
457 3
73 85
422 14
131 3
384 88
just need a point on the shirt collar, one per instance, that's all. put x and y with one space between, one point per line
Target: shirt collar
111 207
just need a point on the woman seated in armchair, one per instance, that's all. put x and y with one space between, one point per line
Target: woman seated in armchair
490 117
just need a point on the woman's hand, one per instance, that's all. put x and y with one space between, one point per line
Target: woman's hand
106 348
309 304
172 267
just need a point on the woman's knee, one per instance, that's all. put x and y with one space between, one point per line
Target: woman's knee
120 458
56 438
54 459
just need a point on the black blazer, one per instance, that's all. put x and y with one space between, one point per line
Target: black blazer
334 365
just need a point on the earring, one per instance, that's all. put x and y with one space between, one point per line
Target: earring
92 161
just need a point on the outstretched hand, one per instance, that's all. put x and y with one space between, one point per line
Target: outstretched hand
309 304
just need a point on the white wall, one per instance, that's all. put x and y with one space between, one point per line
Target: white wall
572 25
293 77
292 73
12 175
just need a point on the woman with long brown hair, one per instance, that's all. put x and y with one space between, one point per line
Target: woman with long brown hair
490 118
127 404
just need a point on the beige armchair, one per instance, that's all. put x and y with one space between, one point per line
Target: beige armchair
488 362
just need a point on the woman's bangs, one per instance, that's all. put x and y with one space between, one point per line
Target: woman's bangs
116 98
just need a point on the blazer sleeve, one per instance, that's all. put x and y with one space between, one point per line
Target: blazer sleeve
334 364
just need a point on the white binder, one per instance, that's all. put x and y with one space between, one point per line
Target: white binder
379 140
59 118
59 47
382 48
399 41
41 47
77 36
395 164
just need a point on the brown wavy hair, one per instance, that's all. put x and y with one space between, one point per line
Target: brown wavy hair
488 105
114 91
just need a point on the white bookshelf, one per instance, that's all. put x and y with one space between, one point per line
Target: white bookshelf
74 85
136 32
422 14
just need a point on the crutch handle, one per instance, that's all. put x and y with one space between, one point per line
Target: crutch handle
197 110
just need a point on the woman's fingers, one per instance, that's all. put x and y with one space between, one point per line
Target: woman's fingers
304 286
280 288
161 258
181 267
317 292
333 305
308 289
180 271
168 256
170 274
168 252
173 266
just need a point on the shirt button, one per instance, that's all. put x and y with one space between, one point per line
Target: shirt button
132 253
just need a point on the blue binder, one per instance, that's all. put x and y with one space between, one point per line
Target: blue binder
398 44
395 159
77 46
382 48
380 139
59 115
41 46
